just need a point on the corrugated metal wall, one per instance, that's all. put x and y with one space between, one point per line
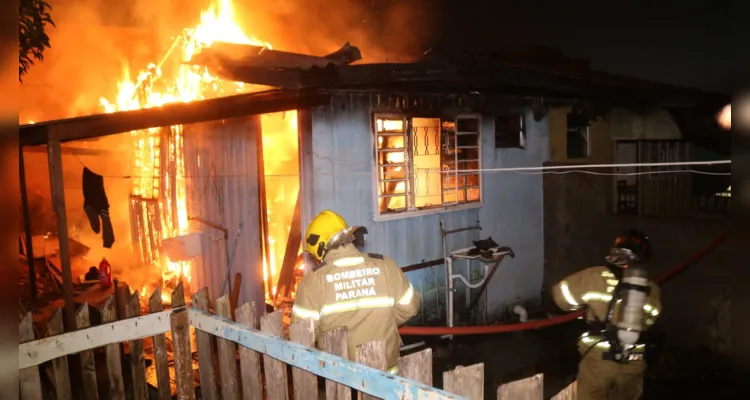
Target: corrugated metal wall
512 211
222 187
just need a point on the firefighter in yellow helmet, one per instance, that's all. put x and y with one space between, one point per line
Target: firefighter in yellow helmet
364 292
621 304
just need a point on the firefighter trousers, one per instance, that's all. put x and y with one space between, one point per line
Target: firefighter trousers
600 379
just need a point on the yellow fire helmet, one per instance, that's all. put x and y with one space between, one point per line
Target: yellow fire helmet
321 230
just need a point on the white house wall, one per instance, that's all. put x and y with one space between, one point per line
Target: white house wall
342 167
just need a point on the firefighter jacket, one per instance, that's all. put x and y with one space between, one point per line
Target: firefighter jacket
366 293
593 287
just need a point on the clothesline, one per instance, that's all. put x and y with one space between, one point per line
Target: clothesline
541 170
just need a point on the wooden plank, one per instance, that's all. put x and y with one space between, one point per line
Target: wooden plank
88 365
60 364
160 350
29 248
294 240
466 381
569 393
92 126
372 354
531 388
230 389
178 296
335 342
252 386
183 358
205 352
113 352
30 384
57 190
137 361
236 286
275 370
305 383
263 209
43 350
369 380
417 366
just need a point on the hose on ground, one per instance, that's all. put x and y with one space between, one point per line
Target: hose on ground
523 326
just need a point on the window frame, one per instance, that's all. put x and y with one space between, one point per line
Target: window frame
409 213
587 130
522 134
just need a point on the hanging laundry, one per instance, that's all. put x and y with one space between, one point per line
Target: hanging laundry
96 206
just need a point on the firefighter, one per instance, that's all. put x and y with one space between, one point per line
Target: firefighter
620 305
366 293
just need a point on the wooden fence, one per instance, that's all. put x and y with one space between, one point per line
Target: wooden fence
256 369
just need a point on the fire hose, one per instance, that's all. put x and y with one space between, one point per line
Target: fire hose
523 326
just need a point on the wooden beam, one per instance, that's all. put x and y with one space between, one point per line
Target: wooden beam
306 174
286 275
57 189
172 114
263 212
49 348
27 224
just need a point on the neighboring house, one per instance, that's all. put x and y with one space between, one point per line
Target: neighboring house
647 135
393 147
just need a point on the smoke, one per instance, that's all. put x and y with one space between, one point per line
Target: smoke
385 31
95 42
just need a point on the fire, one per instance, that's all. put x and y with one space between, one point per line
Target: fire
153 181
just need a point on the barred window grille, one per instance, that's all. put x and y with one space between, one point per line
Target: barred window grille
425 163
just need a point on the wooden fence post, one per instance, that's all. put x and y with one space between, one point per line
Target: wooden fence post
305 383
60 365
88 365
178 296
230 389
183 358
372 354
417 366
205 352
275 370
252 386
160 351
335 342
114 361
30 382
531 388
569 393
465 381
137 361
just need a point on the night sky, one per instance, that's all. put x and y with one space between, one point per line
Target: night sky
694 43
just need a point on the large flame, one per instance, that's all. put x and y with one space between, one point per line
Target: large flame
154 87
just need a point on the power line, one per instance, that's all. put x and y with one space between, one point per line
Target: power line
541 170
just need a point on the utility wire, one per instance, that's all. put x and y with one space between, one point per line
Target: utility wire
542 170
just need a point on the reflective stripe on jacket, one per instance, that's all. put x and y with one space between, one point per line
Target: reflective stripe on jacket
366 293
594 288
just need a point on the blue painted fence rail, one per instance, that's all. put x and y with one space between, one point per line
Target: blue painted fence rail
360 377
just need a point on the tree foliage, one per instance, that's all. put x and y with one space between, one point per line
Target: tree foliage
33 17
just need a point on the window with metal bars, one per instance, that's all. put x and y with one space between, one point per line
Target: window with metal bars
426 163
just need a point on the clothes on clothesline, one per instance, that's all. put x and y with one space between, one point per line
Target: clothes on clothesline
96 206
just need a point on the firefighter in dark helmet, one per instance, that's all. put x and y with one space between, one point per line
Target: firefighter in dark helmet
620 304
367 293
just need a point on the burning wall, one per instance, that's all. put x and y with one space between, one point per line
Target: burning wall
97 155
96 49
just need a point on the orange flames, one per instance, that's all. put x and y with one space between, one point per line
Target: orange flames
159 85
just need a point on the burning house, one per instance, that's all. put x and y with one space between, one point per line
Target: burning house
237 148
